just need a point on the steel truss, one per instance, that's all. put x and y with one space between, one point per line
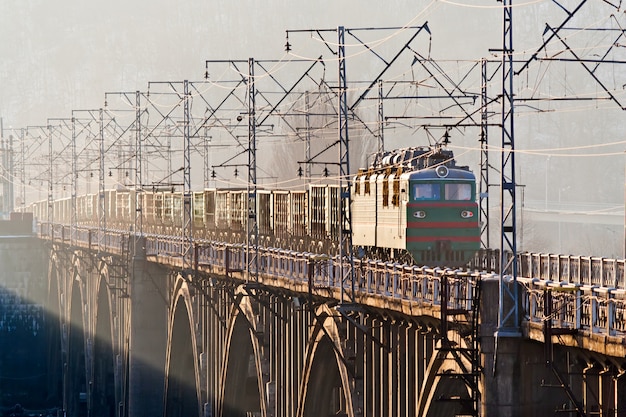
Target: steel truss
344 111
258 118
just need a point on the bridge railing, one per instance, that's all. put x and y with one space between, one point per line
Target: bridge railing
580 270
324 274
583 270
163 245
597 310
583 303
111 240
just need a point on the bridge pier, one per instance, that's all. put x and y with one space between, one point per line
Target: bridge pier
502 391
147 336
500 360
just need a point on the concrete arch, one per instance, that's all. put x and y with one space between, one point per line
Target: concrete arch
182 381
76 382
83 305
325 390
443 362
103 393
242 382
55 347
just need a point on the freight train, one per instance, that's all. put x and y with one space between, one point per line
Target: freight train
414 205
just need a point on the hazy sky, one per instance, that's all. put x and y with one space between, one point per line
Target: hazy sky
62 55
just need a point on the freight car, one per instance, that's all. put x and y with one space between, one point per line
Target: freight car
412 204
303 220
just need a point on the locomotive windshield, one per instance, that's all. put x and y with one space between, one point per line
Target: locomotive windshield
433 191
425 191
458 191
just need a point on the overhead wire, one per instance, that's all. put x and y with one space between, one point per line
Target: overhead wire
549 151
375 43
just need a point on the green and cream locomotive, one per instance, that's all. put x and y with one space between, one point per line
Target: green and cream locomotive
416 202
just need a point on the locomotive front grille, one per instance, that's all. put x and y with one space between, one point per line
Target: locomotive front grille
443 256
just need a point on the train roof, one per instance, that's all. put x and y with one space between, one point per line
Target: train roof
414 159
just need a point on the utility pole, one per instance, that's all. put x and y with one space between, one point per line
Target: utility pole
256 120
307 145
6 148
252 226
206 142
381 119
138 224
74 184
345 230
50 179
22 171
11 176
132 162
187 220
101 188
508 321
483 193
345 109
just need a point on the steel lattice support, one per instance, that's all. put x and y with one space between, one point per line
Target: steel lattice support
307 149
170 125
484 159
138 224
345 231
135 128
252 247
570 16
45 135
63 130
187 223
12 178
6 168
344 109
22 170
508 315
74 185
50 177
101 187
381 118
3 167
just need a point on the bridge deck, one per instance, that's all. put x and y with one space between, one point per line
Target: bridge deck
588 294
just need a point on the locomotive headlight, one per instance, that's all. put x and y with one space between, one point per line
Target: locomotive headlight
466 214
419 214
442 171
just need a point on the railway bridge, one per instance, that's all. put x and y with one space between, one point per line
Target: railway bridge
136 332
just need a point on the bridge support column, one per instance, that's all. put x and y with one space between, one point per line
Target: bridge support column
620 394
591 393
501 361
147 341
607 392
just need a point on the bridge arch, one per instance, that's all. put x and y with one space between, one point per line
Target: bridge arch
326 387
182 379
102 395
242 381
55 353
442 395
75 372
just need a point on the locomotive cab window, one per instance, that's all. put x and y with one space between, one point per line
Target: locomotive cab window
425 191
458 191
